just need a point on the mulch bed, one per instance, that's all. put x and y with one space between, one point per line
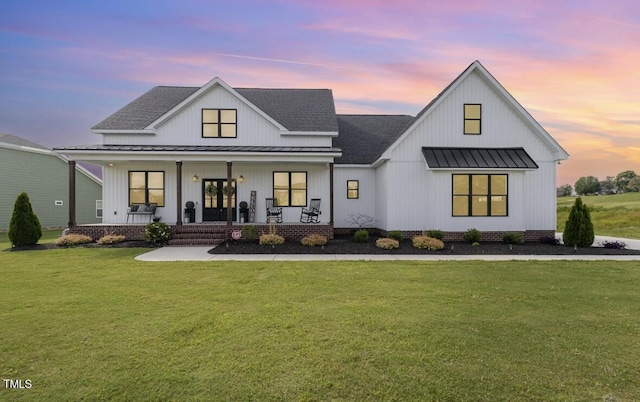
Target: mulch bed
346 245
53 246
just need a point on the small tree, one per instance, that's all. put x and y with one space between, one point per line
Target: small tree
24 228
622 180
578 229
587 185
634 184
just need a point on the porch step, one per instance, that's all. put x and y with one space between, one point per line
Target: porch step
197 235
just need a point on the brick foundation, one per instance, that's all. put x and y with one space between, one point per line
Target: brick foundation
291 232
130 232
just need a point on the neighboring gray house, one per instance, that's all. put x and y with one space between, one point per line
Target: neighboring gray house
44 176
472 158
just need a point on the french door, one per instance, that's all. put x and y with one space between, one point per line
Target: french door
214 199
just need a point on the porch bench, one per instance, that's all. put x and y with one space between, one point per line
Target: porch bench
148 209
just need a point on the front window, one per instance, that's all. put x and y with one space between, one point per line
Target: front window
219 123
472 119
290 188
353 189
146 187
479 195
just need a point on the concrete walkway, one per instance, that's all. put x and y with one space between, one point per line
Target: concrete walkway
201 254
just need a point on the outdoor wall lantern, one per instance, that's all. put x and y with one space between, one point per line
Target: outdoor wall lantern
241 179
195 178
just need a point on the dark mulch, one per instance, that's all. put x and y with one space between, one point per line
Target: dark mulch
346 245
53 246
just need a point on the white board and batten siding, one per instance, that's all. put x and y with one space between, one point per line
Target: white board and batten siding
256 178
364 205
185 127
418 198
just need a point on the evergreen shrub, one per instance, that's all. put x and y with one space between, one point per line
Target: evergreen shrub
578 229
24 227
361 236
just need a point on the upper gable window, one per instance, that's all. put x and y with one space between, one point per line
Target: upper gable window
472 119
219 123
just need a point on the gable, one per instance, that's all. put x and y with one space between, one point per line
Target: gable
504 122
297 110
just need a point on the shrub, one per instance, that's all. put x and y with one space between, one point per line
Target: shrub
361 236
396 235
552 240
111 239
387 243
472 235
616 245
157 232
271 239
24 227
73 239
436 234
249 233
427 243
578 229
512 238
314 240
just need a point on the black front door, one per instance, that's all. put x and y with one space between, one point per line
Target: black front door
214 199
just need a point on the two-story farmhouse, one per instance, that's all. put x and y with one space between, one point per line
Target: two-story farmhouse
472 158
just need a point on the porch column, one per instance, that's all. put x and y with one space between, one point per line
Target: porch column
229 194
331 194
72 194
179 193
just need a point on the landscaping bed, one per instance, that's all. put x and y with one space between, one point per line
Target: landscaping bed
346 245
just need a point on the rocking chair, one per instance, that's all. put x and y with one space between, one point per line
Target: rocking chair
311 214
273 210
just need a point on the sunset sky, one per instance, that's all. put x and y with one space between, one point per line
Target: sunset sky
574 64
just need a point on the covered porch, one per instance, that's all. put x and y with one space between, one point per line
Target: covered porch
209 187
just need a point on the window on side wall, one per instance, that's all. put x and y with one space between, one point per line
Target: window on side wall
290 188
146 187
480 195
472 119
219 123
99 209
353 189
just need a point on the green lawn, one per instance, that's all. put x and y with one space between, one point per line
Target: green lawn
95 324
612 215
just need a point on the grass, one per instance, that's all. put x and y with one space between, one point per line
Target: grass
612 215
96 324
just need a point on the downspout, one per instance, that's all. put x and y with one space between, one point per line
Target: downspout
72 194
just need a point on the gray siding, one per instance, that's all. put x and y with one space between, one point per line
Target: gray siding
44 177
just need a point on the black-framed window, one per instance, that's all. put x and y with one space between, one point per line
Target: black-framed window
219 123
472 118
480 195
290 188
146 187
353 189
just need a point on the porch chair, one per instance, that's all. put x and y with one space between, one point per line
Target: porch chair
311 214
273 210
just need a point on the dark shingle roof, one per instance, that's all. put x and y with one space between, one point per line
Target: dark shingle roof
363 138
478 158
15 140
146 109
295 109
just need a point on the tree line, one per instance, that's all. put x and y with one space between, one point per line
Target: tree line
625 182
